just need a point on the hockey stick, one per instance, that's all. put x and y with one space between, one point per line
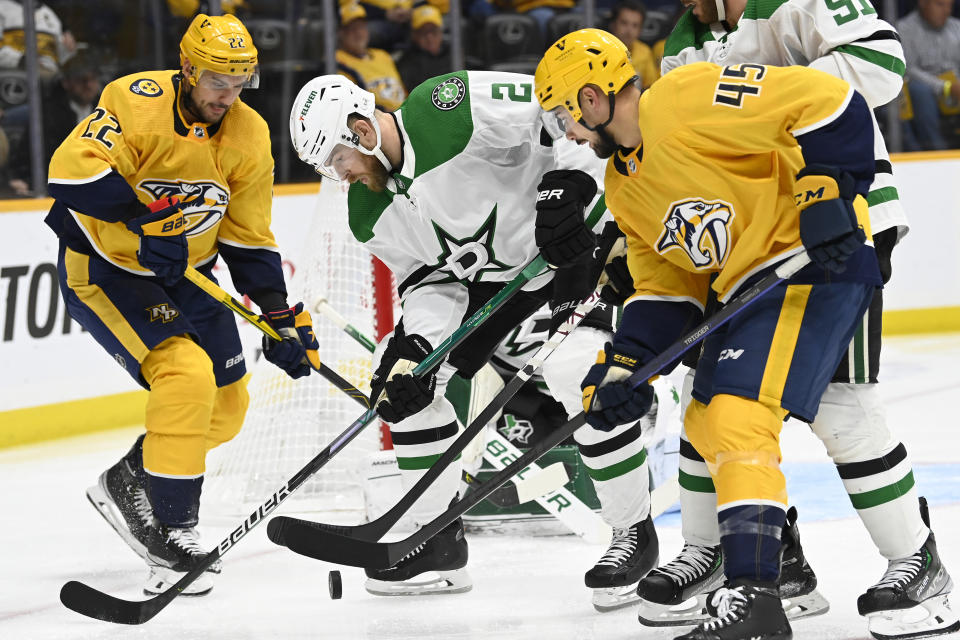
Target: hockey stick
539 483
328 545
93 603
376 529
217 293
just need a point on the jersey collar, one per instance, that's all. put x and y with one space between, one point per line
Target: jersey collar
627 161
406 168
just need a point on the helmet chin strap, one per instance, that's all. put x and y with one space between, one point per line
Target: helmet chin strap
376 151
721 11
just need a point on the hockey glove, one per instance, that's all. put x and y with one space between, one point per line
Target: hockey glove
297 353
397 393
163 247
561 233
607 399
610 265
619 285
829 228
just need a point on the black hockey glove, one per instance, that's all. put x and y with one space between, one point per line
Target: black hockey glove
398 394
561 233
607 399
829 228
619 285
163 246
610 265
299 348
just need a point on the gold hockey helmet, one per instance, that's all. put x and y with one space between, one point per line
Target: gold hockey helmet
220 44
587 56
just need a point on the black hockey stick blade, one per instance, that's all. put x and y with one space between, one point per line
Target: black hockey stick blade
505 497
102 606
323 544
94 603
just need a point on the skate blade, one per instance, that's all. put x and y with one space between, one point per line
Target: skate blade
805 606
428 583
613 598
162 578
100 499
932 617
691 611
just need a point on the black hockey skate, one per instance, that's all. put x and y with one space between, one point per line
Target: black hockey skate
442 558
747 610
798 582
910 600
676 593
633 552
172 552
120 496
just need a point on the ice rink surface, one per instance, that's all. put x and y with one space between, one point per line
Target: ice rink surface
524 587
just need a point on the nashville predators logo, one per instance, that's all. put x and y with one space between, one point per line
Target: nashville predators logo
162 312
204 202
701 228
146 87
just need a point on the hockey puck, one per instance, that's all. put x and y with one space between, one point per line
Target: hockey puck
336 585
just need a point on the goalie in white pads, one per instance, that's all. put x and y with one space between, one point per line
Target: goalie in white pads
848 41
445 192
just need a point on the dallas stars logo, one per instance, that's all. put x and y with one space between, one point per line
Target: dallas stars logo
468 259
449 93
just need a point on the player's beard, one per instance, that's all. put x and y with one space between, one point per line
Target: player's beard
375 173
604 146
189 105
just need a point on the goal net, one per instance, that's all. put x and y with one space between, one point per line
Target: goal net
290 421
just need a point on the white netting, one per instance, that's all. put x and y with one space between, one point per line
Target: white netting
290 421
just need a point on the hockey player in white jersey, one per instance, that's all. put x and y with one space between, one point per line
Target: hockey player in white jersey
848 40
445 192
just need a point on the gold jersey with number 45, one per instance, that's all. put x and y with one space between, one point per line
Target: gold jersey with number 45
711 188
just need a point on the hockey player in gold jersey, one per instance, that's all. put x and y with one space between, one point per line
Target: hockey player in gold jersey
173 169
716 175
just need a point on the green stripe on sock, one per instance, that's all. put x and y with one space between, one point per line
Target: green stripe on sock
859 355
883 495
618 469
419 463
881 195
696 483
886 61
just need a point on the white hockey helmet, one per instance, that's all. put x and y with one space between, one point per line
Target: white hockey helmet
318 123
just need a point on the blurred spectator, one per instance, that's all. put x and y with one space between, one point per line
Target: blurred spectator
539 10
67 102
387 20
428 54
626 23
54 45
190 8
931 44
371 69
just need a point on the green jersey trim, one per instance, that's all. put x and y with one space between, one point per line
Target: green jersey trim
882 60
689 32
438 120
761 9
364 210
